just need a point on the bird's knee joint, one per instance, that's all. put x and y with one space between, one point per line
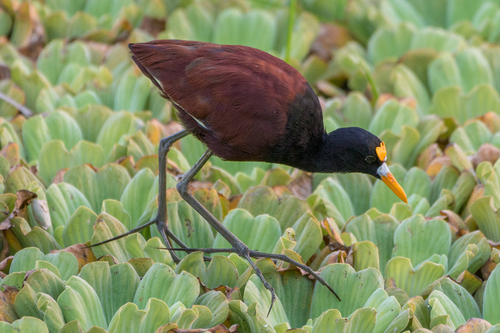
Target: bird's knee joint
242 250
182 188
165 144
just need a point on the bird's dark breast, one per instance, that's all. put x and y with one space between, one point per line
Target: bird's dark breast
304 131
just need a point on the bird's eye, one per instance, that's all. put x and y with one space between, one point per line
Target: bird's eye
370 159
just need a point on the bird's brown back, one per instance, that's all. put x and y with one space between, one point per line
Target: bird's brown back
240 95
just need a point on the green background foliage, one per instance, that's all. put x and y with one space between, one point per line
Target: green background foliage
78 165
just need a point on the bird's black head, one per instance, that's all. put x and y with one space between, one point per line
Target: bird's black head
353 149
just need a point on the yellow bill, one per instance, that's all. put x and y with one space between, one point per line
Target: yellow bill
391 182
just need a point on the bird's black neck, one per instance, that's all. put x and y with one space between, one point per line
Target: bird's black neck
329 155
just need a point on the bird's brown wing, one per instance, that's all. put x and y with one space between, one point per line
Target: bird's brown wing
240 95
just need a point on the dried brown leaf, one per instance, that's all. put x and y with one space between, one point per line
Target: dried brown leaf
281 190
59 177
154 131
153 25
487 269
5 264
429 154
11 153
5 250
171 128
301 186
455 223
7 298
234 201
487 152
474 325
217 329
436 165
228 292
492 121
83 254
330 38
4 72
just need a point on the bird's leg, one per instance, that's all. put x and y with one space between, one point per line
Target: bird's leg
238 246
183 189
161 217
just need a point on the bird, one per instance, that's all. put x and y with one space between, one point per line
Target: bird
246 105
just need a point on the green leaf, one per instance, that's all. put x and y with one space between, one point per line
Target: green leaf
259 233
80 227
106 228
107 183
90 119
255 292
474 69
52 314
25 303
443 72
161 282
30 82
461 10
449 308
398 11
138 193
79 301
63 200
115 285
411 280
390 44
407 84
220 271
26 259
331 190
233 27
365 255
393 116
79 24
130 319
482 98
46 282
329 321
190 23
362 320
24 325
353 288
115 209
189 226
487 218
308 236
474 243
218 305
358 186
438 39
418 239
291 287
380 231
460 297
491 309
116 126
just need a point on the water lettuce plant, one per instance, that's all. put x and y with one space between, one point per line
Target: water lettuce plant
79 135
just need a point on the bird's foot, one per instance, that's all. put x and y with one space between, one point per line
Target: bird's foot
243 251
285 258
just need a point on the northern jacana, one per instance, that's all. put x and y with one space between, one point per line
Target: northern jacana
247 105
